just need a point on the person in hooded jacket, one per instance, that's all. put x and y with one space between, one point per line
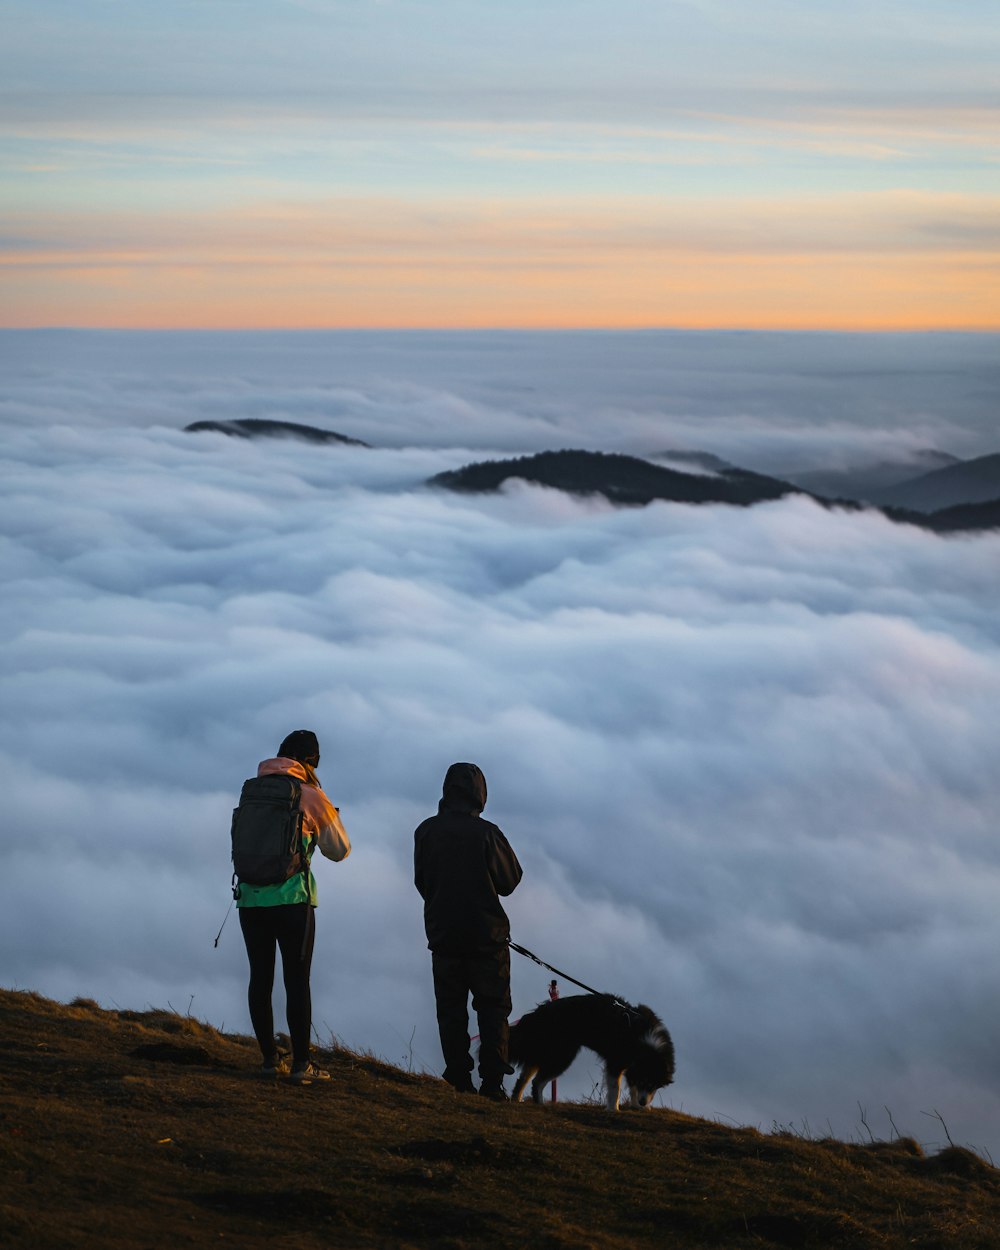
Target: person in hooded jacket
463 865
283 916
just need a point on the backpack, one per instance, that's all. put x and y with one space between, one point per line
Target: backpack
268 846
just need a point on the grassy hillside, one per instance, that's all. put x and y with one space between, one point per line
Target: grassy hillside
122 1128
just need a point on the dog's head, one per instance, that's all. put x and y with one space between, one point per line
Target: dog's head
653 1066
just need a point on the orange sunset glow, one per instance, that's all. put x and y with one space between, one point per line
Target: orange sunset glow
672 165
847 262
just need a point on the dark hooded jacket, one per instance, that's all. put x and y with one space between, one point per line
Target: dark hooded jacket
462 864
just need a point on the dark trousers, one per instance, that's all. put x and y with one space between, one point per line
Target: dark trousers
291 928
486 976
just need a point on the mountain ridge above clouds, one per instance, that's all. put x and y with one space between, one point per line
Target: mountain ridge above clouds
967 517
967 482
620 478
258 427
973 498
631 480
871 483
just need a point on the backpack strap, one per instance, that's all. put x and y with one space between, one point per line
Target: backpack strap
310 924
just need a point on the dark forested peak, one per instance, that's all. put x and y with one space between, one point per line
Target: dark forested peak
966 516
255 427
619 478
631 480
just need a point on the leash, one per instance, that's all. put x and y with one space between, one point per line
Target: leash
521 950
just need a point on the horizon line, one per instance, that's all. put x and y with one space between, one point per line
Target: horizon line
665 328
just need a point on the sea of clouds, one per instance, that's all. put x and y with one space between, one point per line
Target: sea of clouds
748 758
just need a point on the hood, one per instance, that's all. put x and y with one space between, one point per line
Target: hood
282 765
464 788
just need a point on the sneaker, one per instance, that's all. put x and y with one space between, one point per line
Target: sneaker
495 1093
271 1069
307 1074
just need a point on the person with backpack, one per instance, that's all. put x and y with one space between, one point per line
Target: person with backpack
463 865
282 817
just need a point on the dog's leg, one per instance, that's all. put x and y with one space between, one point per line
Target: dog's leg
523 1078
613 1081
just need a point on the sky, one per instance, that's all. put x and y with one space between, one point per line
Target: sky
748 758
461 163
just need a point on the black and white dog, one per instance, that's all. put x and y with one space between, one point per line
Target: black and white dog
632 1041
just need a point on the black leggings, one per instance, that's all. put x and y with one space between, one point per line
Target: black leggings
292 928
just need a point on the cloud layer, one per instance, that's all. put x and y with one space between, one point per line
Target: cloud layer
748 758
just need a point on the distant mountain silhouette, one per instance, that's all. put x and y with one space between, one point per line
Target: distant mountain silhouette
873 483
625 479
619 478
254 427
967 482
